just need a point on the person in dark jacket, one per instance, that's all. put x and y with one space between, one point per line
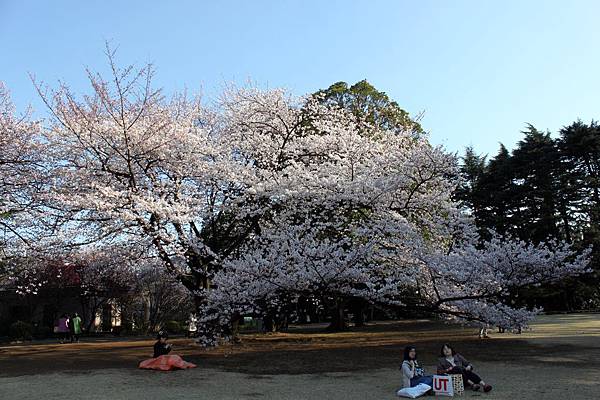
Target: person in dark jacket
161 347
451 362
162 361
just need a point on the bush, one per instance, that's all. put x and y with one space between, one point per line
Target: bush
4 328
131 332
172 327
20 331
126 330
42 332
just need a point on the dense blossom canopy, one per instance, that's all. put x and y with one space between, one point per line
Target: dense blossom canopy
266 197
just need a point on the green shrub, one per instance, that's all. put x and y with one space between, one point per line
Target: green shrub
172 327
20 331
4 328
132 332
249 324
127 330
42 332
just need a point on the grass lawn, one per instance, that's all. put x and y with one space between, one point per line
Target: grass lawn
558 359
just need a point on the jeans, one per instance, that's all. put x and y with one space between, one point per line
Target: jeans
428 380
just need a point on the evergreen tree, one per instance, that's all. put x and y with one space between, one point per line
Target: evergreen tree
469 192
366 102
534 164
496 189
546 188
579 146
580 150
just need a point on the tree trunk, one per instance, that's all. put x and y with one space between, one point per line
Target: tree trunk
338 322
235 327
359 306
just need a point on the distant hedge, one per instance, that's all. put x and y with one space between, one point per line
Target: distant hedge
20 331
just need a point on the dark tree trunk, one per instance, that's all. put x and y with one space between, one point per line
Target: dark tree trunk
359 307
338 321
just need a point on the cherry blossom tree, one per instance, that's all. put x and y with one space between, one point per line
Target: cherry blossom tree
106 274
389 261
131 165
21 169
94 276
23 182
158 298
264 197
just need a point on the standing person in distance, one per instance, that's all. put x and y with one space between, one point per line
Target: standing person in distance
75 326
63 328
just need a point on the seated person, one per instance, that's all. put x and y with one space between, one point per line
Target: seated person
451 362
412 374
161 360
161 347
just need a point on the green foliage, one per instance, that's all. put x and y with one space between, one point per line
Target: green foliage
580 149
545 188
20 331
249 325
42 332
173 327
472 170
364 101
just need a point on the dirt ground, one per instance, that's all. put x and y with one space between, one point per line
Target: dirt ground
558 359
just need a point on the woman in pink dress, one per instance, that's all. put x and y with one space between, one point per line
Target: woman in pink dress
162 361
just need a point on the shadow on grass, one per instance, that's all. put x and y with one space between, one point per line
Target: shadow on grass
363 358
304 350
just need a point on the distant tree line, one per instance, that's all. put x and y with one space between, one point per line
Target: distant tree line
546 187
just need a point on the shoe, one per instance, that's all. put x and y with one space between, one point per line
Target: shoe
487 388
476 387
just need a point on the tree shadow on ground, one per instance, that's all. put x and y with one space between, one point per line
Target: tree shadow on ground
304 351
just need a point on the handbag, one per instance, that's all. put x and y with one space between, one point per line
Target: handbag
458 384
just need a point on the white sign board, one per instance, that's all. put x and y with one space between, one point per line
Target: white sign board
442 385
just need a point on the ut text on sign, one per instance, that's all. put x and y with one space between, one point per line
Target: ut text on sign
442 385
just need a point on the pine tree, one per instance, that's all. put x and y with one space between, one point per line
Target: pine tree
535 168
497 188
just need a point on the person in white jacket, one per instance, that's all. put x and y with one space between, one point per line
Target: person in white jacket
412 373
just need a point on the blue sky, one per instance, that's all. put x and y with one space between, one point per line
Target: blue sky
479 69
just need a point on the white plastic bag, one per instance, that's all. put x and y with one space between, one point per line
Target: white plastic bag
415 391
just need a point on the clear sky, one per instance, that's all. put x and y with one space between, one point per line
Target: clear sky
479 69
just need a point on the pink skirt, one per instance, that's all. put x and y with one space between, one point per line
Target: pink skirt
166 363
